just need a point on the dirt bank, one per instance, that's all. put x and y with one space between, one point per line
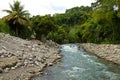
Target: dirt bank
22 59
109 52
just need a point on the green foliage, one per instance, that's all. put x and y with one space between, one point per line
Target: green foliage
42 25
4 28
106 22
25 32
99 23
70 32
59 36
72 36
16 18
73 16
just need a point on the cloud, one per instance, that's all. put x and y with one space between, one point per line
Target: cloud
57 8
42 7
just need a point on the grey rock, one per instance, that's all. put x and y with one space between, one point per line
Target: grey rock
12 68
3 51
6 55
29 47
39 59
2 56
30 58
25 56
50 64
7 69
25 63
9 55
37 63
58 56
33 49
19 64
1 70
29 54
31 62
31 71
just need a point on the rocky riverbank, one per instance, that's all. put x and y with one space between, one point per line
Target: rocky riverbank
109 52
22 59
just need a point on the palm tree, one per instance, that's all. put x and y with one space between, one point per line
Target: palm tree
16 16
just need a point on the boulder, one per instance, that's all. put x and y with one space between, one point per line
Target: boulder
8 62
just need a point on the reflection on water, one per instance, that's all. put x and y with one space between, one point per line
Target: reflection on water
78 65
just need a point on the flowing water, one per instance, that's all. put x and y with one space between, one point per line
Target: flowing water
77 64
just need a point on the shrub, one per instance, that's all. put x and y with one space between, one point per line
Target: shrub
4 28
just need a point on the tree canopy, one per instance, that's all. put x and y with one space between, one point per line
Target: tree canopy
16 17
98 23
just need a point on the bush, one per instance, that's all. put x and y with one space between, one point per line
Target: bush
59 36
24 32
4 28
72 36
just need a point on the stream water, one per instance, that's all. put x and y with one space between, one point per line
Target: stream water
77 64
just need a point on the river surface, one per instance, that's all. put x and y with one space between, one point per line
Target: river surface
77 64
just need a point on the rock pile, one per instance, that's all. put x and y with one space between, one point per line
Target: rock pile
21 59
109 52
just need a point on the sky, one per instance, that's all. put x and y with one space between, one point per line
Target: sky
42 7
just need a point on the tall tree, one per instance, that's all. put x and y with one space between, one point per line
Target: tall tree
16 16
42 25
106 15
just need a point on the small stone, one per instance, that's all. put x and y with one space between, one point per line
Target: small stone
37 63
7 69
31 62
1 70
30 59
20 58
50 64
3 51
29 46
16 67
2 56
26 78
39 59
58 57
35 45
33 49
44 58
25 63
5 55
18 64
12 68
25 56
31 71
9 55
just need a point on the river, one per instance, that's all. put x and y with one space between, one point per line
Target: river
77 64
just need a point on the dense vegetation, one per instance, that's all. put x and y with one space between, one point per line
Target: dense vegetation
99 23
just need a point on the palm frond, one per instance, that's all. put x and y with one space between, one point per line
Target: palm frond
17 14
8 11
11 7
